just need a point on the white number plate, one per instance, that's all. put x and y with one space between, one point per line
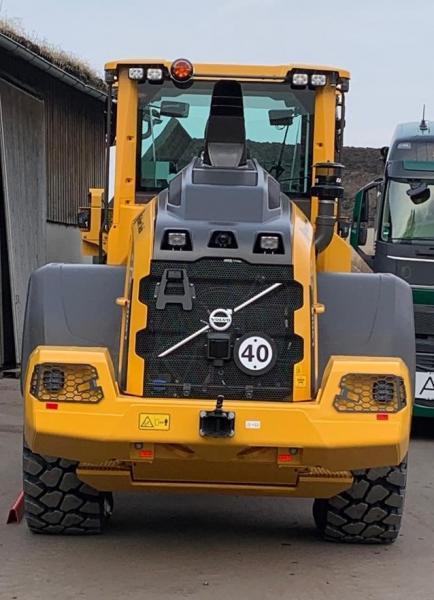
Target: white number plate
425 385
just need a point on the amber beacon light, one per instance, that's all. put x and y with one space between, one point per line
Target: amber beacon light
181 70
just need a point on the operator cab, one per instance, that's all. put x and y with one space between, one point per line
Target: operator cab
223 201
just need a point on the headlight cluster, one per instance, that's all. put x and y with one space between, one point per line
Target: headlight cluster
368 393
58 382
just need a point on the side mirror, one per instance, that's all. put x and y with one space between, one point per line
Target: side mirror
419 192
281 117
363 220
360 224
178 110
384 151
362 234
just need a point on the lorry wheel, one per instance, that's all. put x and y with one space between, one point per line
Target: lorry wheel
57 502
369 512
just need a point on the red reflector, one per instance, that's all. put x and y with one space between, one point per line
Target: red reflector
382 417
181 69
285 457
146 454
52 405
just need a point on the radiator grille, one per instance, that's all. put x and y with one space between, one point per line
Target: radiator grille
220 284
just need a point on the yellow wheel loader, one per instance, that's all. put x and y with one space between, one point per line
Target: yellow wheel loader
221 343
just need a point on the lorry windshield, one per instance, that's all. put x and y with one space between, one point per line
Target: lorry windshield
172 122
403 220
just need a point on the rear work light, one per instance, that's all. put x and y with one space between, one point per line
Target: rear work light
300 79
154 74
136 73
177 239
269 242
313 80
181 70
318 80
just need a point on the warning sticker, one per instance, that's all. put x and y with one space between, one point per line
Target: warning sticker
157 422
300 380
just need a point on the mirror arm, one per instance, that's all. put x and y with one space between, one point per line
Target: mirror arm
369 260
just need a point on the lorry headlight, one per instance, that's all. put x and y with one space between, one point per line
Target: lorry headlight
61 382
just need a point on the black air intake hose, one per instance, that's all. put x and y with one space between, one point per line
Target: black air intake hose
328 189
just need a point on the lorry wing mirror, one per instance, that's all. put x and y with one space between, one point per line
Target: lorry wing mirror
360 223
419 192
363 219
362 236
179 110
281 117
384 152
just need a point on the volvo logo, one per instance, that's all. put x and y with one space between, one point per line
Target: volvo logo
220 319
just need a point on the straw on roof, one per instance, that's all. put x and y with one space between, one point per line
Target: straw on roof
67 62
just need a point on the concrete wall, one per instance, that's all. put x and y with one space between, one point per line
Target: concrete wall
63 244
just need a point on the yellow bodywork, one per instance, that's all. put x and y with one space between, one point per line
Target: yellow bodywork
109 437
126 442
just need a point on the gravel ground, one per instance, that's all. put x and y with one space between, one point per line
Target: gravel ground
163 547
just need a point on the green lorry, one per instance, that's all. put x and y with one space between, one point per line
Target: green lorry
403 236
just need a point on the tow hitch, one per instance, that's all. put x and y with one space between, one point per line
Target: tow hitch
217 423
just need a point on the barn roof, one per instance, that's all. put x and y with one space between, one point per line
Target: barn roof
54 61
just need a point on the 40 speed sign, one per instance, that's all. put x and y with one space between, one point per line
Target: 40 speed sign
255 353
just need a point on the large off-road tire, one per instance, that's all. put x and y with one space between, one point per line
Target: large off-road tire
369 512
57 502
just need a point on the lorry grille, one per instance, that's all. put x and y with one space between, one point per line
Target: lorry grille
424 319
214 284
424 361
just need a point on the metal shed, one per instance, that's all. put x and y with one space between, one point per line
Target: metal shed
51 151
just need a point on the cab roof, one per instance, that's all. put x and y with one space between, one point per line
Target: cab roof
232 70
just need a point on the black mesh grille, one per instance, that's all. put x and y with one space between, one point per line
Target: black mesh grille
220 284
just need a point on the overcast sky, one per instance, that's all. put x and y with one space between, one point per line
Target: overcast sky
386 44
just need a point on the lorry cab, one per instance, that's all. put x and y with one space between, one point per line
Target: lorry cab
402 238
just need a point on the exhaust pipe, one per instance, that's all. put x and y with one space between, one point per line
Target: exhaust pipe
329 191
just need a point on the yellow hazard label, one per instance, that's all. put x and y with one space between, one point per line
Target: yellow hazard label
300 380
154 421
298 369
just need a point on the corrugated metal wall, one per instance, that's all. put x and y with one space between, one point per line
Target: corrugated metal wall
75 150
24 192
74 138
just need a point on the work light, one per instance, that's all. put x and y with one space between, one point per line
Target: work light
318 79
153 74
177 239
300 79
269 242
136 73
